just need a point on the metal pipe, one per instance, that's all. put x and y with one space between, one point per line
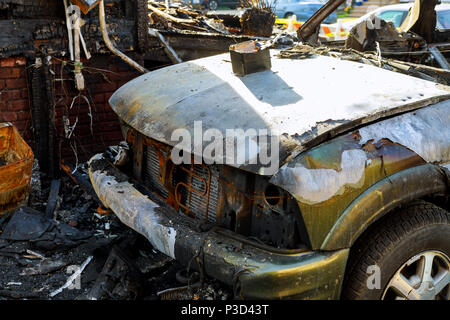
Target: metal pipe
101 17
167 48
439 57
309 28
79 79
69 30
168 16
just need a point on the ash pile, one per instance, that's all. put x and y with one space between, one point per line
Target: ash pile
254 18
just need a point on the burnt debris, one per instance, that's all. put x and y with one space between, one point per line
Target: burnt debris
57 240
39 254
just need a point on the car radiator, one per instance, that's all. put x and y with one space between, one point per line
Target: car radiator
196 186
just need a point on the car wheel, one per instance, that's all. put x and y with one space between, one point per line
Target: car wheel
288 15
213 5
409 254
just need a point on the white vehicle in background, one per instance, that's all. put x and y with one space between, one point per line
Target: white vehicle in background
396 14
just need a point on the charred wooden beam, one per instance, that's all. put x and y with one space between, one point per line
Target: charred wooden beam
142 24
50 105
426 22
39 116
26 36
310 28
52 198
31 9
80 179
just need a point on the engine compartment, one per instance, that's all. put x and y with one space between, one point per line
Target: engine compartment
219 195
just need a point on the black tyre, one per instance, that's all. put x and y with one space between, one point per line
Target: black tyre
410 250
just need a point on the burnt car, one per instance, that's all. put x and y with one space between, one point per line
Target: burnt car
357 206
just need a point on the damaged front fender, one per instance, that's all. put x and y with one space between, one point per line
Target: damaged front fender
383 197
253 272
330 178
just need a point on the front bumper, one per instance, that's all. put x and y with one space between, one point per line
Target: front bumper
253 272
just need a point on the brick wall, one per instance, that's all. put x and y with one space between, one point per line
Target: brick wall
14 97
103 75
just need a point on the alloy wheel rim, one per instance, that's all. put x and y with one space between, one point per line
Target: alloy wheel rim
426 276
213 5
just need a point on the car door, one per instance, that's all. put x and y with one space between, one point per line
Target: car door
281 8
304 11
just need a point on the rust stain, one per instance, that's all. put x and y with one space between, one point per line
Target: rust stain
104 211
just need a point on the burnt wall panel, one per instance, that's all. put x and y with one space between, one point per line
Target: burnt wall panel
34 31
32 27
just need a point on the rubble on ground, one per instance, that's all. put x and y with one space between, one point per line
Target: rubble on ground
365 37
184 18
39 254
302 51
257 19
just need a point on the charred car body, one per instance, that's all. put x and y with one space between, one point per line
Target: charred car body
352 168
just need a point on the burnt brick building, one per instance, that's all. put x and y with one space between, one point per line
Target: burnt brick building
37 88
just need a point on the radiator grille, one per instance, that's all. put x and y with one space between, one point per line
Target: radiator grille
152 172
196 200
196 188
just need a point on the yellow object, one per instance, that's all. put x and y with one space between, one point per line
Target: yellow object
348 19
16 164
286 21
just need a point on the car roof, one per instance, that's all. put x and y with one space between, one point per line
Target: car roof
407 6
298 100
304 2
443 6
403 7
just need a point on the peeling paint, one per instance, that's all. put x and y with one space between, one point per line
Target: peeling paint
425 131
162 237
318 185
132 211
261 274
291 107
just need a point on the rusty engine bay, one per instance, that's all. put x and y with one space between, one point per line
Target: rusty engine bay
219 196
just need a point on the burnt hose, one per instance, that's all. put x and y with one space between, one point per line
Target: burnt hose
101 17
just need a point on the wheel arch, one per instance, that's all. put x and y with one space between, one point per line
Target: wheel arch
382 199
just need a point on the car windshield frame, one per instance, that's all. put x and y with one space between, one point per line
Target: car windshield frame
396 11
381 10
